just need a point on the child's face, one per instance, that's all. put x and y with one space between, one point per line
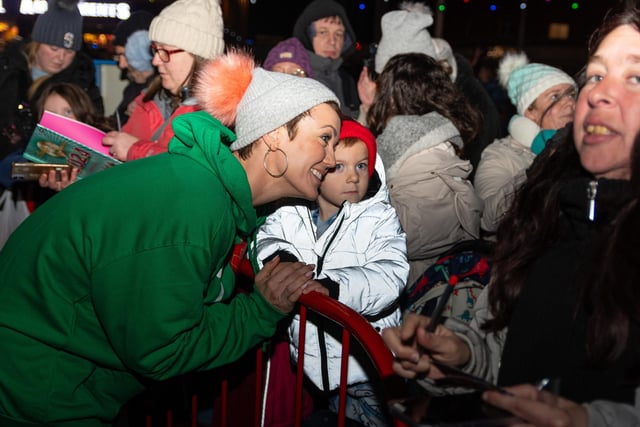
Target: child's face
57 104
350 178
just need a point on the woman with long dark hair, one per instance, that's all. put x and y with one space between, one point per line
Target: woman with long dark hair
563 300
422 123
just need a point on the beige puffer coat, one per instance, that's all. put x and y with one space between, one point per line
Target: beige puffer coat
428 186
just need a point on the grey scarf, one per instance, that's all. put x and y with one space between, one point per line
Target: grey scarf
405 136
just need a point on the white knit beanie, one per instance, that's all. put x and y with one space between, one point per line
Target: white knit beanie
445 53
193 25
271 100
404 31
526 81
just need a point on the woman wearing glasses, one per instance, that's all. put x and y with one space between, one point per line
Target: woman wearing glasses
183 36
544 97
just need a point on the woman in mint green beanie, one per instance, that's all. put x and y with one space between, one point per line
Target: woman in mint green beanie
125 277
544 98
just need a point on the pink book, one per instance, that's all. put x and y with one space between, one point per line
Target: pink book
75 130
59 139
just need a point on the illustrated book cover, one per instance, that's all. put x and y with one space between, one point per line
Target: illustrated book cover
61 140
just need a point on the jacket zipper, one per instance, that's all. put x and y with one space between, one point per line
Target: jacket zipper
328 245
592 192
321 325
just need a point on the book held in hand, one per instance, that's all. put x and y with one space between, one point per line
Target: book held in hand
61 140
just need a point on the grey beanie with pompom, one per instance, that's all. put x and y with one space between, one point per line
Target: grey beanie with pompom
253 100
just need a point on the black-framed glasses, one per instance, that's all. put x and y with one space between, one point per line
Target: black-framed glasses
164 54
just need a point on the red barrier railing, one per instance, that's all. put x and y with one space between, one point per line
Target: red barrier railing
353 324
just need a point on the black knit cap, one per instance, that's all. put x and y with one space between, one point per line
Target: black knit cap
140 20
60 25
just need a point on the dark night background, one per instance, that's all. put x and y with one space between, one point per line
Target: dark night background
468 25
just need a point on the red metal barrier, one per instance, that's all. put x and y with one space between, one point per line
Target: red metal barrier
353 324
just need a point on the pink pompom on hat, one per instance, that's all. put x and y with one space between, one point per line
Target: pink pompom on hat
252 100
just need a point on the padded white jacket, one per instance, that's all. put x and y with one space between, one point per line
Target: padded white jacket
363 251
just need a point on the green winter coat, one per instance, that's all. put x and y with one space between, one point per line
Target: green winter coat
124 276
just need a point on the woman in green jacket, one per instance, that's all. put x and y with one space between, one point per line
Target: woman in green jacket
125 276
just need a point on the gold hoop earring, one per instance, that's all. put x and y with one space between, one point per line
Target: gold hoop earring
286 162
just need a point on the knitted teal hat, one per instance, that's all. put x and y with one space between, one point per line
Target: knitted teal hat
526 81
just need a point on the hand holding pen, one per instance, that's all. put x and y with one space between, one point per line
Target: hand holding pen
453 376
436 316
414 348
